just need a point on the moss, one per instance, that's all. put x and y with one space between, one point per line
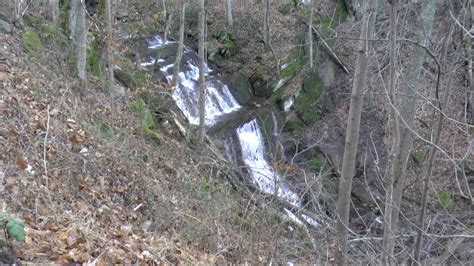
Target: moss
93 62
46 30
241 84
64 15
228 46
445 200
104 129
243 224
147 121
287 8
307 104
32 42
341 13
417 157
294 125
192 15
316 162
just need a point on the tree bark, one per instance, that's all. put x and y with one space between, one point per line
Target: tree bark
202 82
110 59
470 91
352 131
310 34
165 11
230 21
169 20
431 156
80 37
266 23
403 142
54 9
179 53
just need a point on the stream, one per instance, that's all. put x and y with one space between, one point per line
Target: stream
245 143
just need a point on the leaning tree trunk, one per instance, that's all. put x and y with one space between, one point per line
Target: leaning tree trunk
179 53
202 82
352 131
230 21
266 23
80 38
109 45
403 142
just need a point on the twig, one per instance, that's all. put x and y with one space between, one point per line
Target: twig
332 52
45 147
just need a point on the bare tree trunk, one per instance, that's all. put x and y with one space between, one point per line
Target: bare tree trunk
470 93
202 82
54 9
266 23
393 46
165 11
403 142
179 53
169 20
310 34
432 154
352 131
230 21
80 38
110 59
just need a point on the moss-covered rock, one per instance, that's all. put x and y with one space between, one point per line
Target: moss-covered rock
46 30
125 78
308 104
260 81
241 84
32 43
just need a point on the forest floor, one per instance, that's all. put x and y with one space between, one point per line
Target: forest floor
93 186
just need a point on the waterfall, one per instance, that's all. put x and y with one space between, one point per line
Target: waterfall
220 101
263 175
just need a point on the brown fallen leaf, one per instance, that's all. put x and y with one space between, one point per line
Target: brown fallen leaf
22 162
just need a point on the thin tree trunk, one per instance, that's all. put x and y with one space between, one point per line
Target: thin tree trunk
110 63
54 9
470 92
165 11
266 23
432 154
352 131
310 35
169 20
81 38
202 82
402 145
230 21
179 53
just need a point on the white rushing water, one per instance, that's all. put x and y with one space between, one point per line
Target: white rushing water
263 175
219 99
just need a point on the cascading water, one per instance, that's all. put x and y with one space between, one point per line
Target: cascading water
220 101
253 154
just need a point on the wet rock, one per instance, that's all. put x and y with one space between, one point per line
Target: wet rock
240 83
260 81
